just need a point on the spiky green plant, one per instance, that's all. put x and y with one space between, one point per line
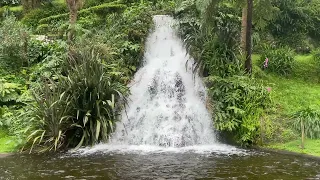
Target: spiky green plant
51 116
94 97
212 38
78 109
307 121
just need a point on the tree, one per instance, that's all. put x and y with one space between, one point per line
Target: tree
261 18
30 4
243 28
248 30
73 6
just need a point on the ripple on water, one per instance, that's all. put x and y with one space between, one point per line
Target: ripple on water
217 149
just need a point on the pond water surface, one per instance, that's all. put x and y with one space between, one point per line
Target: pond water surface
160 165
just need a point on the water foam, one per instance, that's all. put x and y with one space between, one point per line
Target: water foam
167 110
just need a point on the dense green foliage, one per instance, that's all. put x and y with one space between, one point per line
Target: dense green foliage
79 109
310 120
14 44
238 105
296 22
316 58
100 10
75 99
214 47
280 60
238 101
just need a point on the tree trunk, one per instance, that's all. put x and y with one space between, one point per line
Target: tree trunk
244 29
25 5
73 6
30 4
248 63
302 134
72 19
36 4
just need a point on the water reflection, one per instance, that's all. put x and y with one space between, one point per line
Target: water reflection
159 166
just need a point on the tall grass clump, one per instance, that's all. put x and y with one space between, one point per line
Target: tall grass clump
280 60
307 122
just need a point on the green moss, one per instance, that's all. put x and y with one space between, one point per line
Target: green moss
312 147
7 143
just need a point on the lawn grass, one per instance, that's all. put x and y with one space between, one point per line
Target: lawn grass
312 146
292 95
299 90
7 143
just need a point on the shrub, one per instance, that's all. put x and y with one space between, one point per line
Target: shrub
135 24
9 92
42 28
238 105
51 60
11 11
90 3
316 58
33 17
79 109
310 119
212 43
281 60
14 43
90 21
101 10
122 36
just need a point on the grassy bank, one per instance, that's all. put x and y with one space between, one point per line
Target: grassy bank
7 143
312 147
290 94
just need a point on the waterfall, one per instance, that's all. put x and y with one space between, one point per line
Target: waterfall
167 105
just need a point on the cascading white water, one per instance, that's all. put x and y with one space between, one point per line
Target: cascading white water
167 105
167 108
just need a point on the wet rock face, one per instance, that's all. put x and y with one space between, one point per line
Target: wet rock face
153 87
176 89
180 89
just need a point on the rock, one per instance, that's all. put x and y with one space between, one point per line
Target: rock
4 155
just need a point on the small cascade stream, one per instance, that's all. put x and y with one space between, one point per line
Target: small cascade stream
167 106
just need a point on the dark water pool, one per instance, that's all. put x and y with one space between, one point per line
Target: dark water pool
159 166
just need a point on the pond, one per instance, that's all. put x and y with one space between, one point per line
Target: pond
249 164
